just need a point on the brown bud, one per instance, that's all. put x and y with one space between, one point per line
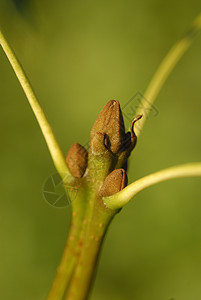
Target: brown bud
108 133
110 123
76 160
114 182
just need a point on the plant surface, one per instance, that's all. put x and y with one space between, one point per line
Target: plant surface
96 181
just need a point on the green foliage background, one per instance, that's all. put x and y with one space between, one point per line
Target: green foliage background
78 55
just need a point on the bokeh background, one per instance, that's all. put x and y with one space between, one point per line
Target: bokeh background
78 55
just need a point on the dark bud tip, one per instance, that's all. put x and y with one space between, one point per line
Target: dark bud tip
114 183
133 137
130 140
76 160
138 117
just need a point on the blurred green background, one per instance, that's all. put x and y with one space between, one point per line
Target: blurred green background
78 55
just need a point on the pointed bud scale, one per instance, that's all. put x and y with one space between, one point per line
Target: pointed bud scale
114 182
108 137
76 160
110 123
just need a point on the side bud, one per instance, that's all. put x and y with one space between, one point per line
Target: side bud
76 160
114 183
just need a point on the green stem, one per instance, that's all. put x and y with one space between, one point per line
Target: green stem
97 220
66 266
54 148
90 220
85 269
72 249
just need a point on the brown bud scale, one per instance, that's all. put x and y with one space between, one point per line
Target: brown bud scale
76 160
114 182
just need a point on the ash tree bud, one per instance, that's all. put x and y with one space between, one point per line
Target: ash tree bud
76 160
114 183
108 133
110 123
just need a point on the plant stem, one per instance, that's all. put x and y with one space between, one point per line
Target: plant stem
90 220
72 249
96 222
123 197
85 269
66 266
54 148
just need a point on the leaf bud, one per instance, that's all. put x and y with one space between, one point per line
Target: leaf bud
76 160
110 123
114 182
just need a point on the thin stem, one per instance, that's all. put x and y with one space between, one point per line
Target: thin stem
71 251
97 220
123 197
65 268
164 70
55 151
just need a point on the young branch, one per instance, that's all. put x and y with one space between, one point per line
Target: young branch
164 70
55 151
120 199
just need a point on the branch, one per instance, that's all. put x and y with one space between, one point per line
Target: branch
118 200
164 70
55 151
